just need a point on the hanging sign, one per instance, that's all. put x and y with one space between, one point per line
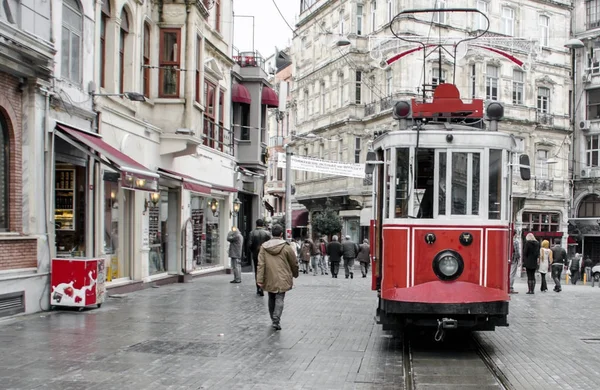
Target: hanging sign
323 166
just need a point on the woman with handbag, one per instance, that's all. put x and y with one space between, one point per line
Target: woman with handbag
531 255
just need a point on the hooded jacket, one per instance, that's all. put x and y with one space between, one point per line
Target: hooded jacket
277 266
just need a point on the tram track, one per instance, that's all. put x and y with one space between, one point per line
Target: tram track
458 361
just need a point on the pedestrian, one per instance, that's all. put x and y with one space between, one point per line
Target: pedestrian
559 257
315 254
575 268
323 257
587 264
363 257
350 253
277 266
236 243
335 252
258 236
515 262
531 255
305 256
545 261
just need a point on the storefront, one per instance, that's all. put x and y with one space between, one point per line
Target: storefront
543 225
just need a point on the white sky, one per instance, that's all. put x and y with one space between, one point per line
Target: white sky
269 28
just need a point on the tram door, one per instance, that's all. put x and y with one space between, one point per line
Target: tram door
378 207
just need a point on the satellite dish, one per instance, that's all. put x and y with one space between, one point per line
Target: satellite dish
461 51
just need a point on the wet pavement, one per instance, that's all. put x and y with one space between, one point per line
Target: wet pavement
210 334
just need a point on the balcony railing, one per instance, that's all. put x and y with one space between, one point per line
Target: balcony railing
386 103
370 109
544 119
544 185
249 59
217 137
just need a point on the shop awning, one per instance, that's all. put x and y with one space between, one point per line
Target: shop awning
188 182
224 189
268 206
299 218
240 94
269 97
134 174
571 241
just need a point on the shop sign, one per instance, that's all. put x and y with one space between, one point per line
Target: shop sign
323 166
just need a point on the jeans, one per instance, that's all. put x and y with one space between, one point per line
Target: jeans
544 285
255 266
236 264
304 267
364 268
323 264
588 273
556 273
276 306
348 266
514 268
314 263
335 267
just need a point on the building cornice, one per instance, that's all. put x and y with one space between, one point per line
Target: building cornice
211 47
313 14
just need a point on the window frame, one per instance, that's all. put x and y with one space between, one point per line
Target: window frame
359 19
483 6
209 116
357 149
322 97
473 80
389 81
543 101
146 59
199 66
595 105
506 19
542 169
436 78
123 33
518 87
492 82
544 30
217 15
439 17
221 117
590 151
390 11
591 21
373 15
164 63
358 88
66 73
105 13
341 22
5 134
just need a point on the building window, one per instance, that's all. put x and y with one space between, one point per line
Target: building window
72 27
305 105
593 104
245 128
357 150
440 17
518 87
592 13
218 15
593 64
389 82
105 17
358 88
359 19
169 62
508 21
122 38
209 113
341 89
541 168
539 222
341 22
322 90
371 92
436 78
473 76
4 174
543 100
544 23
146 69
279 174
592 151
480 22
221 129
373 15
390 11
305 173
491 82
198 68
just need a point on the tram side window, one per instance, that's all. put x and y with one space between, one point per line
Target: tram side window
442 189
424 184
388 181
465 183
402 177
495 192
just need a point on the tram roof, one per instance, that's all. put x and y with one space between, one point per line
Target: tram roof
438 138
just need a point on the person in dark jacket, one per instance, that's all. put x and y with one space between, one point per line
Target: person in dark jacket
350 253
258 236
531 255
559 258
236 241
364 258
335 252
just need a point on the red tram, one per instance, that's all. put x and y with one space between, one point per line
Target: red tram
441 227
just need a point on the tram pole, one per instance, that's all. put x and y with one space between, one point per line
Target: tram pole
288 192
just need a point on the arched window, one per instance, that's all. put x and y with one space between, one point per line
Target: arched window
72 28
105 17
122 38
146 60
589 207
4 174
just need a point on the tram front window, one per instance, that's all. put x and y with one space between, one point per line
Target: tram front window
495 192
424 183
402 178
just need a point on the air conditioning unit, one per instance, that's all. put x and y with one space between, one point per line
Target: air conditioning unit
584 125
590 173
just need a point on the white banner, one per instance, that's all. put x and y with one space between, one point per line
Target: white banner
323 166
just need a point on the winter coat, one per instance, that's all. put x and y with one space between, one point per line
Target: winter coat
277 266
531 252
323 248
235 244
335 251
363 253
305 252
350 249
257 237
559 255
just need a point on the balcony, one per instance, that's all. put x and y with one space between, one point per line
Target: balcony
249 59
275 187
216 136
544 119
544 185
370 109
386 103
276 141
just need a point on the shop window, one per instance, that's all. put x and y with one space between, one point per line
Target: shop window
72 28
4 174
70 209
541 222
206 239
158 237
124 31
116 268
169 61
146 69
589 207
104 18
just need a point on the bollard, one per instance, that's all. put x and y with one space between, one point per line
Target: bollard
584 278
567 279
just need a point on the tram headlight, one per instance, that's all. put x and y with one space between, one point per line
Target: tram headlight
448 265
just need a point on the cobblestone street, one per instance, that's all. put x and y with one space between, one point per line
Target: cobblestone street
212 334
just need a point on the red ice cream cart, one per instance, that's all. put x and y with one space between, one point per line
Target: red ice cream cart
77 282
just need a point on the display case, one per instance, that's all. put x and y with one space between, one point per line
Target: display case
78 282
64 199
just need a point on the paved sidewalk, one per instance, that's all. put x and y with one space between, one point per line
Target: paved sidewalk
210 334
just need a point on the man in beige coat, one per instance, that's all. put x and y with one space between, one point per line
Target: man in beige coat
277 266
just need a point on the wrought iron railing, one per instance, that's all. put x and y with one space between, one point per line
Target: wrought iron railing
544 118
544 185
218 137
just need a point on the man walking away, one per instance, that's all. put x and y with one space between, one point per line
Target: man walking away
323 257
515 262
236 241
363 257
559 256
315 253
277 266
350 253
335 252
258 236
575 267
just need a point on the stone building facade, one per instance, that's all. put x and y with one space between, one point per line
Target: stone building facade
344 94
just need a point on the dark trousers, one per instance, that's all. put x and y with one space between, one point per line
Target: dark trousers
255 266
556 273
364 268
335 267
544 285
276 306
530 279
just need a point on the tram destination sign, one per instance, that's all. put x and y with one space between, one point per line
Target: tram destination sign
323 166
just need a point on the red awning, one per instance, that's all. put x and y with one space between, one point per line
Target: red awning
269 97
299 218
188 182
224 189
240 94
571 241
138 176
